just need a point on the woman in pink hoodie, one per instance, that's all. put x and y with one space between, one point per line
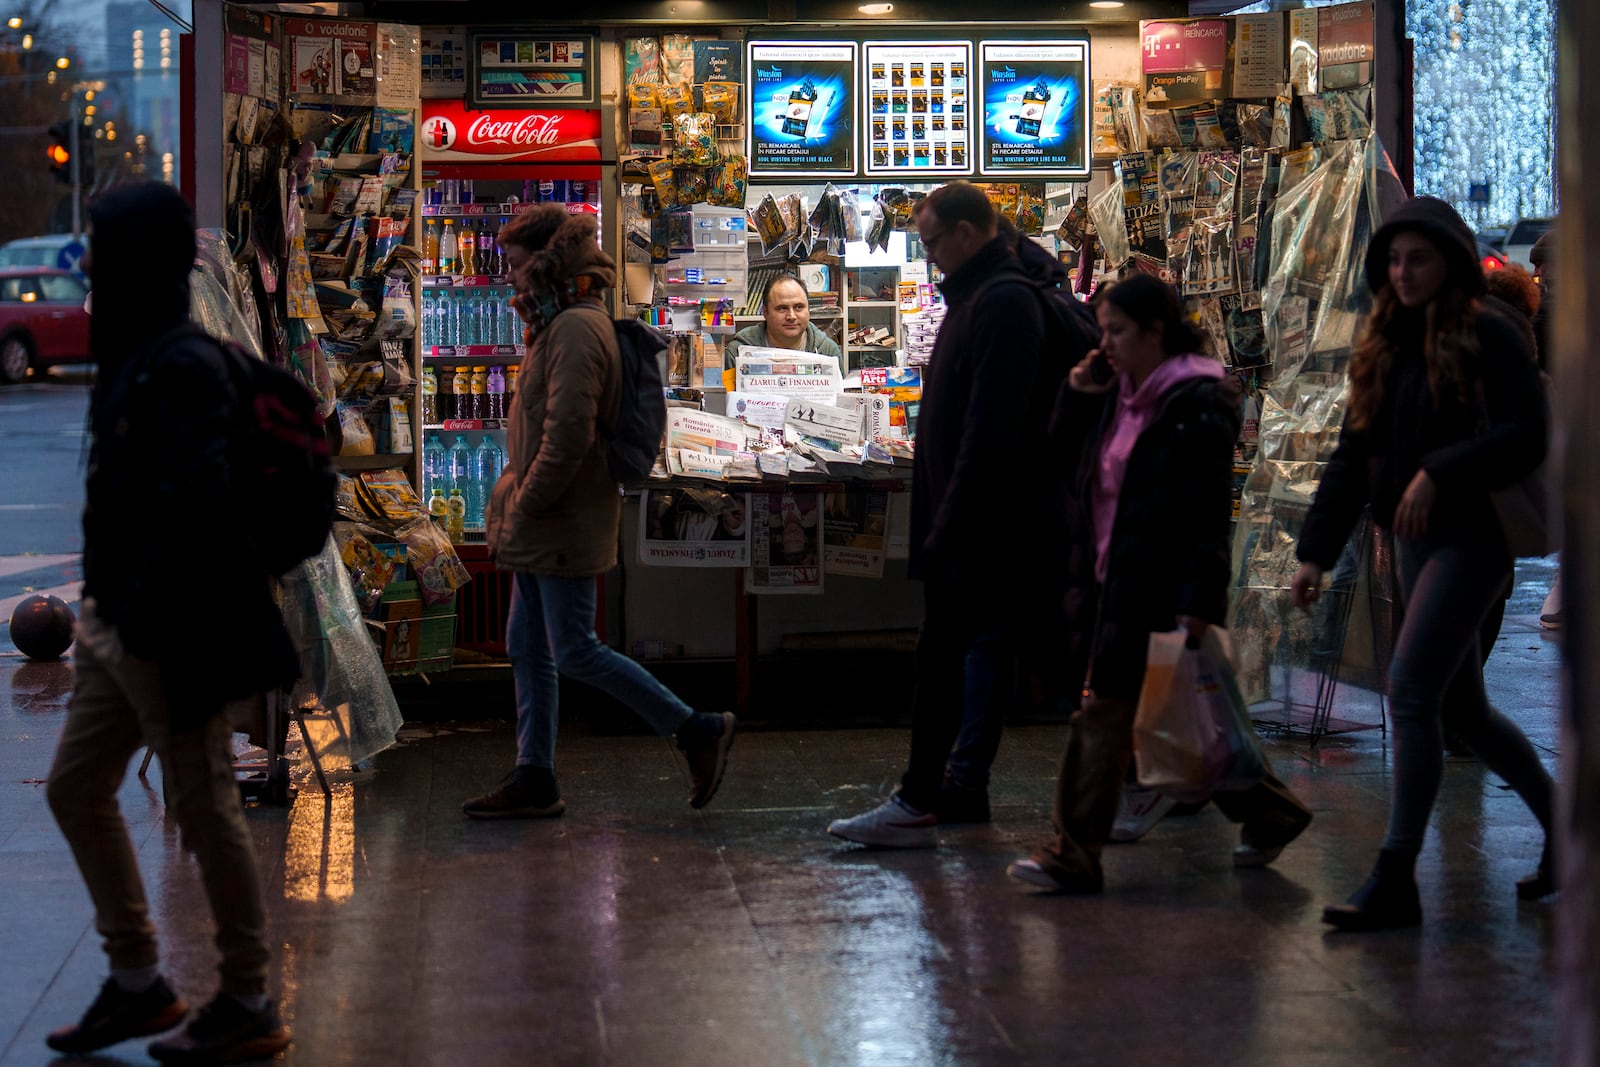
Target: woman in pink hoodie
1146 425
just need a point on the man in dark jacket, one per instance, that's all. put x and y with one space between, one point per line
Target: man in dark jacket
151 668
981 523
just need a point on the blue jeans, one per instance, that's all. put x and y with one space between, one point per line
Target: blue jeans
989 685
550 630
1436 681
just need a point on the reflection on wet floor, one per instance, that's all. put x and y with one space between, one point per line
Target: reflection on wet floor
636 931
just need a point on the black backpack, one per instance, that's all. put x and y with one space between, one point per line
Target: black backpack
635 436
284 476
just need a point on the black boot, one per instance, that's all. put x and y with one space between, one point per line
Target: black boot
1387 900
1540 883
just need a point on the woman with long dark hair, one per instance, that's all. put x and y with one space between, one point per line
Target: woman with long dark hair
1445 406
1151 443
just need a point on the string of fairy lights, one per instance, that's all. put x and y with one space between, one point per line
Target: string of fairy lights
1485 104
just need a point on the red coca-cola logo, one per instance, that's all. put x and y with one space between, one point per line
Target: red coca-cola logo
538 129
439 133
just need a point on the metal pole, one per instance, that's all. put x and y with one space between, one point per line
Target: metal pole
77 171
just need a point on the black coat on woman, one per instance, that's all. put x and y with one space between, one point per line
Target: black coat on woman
1170 545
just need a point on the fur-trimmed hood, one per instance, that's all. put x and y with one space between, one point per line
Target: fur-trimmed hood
572 249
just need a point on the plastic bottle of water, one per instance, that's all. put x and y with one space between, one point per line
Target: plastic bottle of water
460 468
425 325
511 324
453 319
491 319
485 470
475 319
435 466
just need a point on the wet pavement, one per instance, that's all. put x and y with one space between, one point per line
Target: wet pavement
636 931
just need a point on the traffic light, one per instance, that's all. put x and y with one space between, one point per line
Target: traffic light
60 151
85 157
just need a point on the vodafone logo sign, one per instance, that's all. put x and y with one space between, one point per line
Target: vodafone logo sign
439 133
451 133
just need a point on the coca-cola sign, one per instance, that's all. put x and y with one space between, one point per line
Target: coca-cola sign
451 133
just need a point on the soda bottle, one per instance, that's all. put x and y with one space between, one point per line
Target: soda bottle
547 189
455 522
497 393
448 249
480 393
433 465
461 386
486 260
466 249
430 393
430 248
511 388
439 509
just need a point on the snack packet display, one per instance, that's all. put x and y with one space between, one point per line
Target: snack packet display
694 187
721 99
728 189
676 101
644 95
355 436
694 139
1103 130
642 61
439 571
665 185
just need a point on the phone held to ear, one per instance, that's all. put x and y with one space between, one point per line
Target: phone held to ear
1100 372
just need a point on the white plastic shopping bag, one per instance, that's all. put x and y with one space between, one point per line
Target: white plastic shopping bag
1191 734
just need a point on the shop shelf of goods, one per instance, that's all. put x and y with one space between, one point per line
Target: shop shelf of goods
472 351
465 281
466 425
473 211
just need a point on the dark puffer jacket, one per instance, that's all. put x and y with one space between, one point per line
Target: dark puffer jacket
1469 445
1170 543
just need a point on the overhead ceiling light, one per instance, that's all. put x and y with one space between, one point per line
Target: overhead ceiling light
875 9
1105 3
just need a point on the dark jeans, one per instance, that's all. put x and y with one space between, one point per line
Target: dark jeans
990 683
1436 682
965 668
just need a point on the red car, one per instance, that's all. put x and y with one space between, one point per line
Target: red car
42 321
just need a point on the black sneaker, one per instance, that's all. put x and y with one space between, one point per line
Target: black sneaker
116 1015
957 803
225 1031
525 793
704 741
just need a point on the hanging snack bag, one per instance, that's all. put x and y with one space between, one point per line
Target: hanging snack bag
721 99
728 191
1109 225
694 140
439 571
676 101
642 63
666 186
694 187
643 96
1322 121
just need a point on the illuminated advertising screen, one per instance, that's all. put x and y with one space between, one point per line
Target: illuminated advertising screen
1035 108
802 108
918 113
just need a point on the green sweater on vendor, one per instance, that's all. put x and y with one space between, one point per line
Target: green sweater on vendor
756 337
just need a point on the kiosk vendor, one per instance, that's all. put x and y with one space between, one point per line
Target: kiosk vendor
786 323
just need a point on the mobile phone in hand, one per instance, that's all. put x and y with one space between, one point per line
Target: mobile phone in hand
1100 372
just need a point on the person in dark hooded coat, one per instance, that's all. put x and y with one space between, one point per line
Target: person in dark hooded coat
155 665
1445 406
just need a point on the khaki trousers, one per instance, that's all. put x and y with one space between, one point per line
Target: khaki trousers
118 705
1089 791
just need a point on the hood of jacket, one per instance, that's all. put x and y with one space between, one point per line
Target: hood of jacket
995 259
141 249
1439 223
1040 266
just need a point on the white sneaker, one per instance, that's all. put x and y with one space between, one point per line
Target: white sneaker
892 824
1141 809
